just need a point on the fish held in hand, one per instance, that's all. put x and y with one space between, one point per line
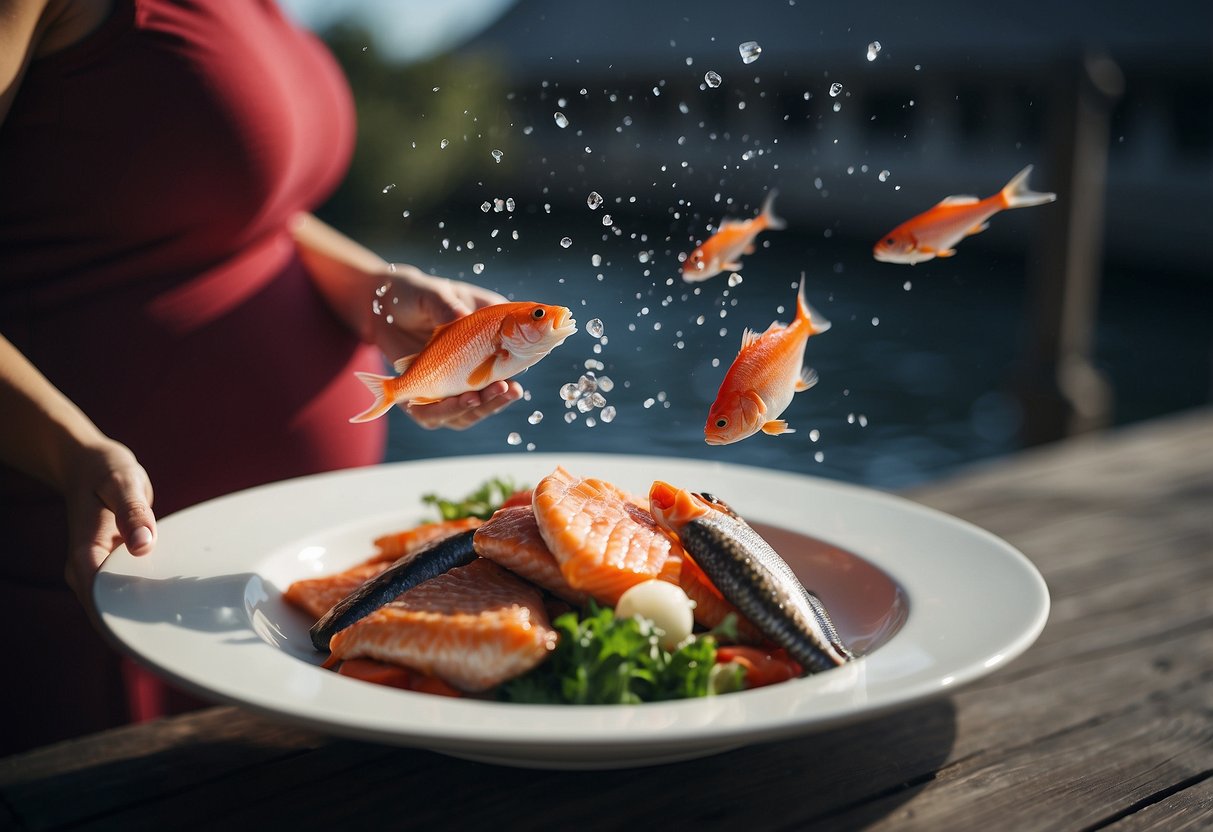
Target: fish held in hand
491 344
724 249
751 575
768 370
935 232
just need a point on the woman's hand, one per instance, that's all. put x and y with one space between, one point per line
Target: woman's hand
109 502
397 307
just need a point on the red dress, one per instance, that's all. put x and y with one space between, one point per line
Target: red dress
147 175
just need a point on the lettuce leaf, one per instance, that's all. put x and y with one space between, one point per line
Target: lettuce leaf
602 660
480 503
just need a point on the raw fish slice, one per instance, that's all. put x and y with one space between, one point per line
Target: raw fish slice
603 540
511 539
398 544
316 596
474 627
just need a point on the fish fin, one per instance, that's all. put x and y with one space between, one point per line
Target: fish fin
776 427
958 200
748 337
770 220
424 400
807 378
480 376
977 229
383 402
401 365
1017 194
818 323
733 267
752 405
946 252
749 249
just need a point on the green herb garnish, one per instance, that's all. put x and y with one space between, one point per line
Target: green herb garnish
602 660
480 503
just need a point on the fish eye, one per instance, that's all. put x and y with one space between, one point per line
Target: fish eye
537 314
889 241
722 422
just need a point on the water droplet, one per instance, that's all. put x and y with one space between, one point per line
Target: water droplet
814 435
406 213
606 219
388 188
595 328
514 439
594 200
486 206
498 205
509 203
873 50
907 285
570 417
876 322
850 418
596 260
750 50
835 90
562 121
608 414
443 144
863 421
605 384
734 279
569 392
819 456
497 154
883 176
477 268
584 405
535 418
712 79
565 242
649 403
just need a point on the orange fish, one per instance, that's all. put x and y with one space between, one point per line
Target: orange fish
766 373
935 232
723 250
491 344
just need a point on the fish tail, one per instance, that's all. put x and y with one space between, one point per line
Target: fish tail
1017 194
769 218
383 401
817 322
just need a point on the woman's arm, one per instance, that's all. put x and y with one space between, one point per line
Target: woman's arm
107 491
352 278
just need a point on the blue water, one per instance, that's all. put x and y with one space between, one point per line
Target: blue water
913 380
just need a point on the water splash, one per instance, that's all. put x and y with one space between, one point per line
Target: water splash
750 51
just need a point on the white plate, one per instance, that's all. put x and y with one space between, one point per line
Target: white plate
205 610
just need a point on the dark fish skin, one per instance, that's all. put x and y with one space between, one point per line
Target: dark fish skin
754 578
406 573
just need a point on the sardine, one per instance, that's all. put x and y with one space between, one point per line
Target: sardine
400 577
752 576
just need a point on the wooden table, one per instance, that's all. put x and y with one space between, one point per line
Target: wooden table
1107 722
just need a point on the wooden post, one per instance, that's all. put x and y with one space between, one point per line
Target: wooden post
1060 390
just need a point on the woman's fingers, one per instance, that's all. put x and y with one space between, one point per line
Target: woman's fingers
463 411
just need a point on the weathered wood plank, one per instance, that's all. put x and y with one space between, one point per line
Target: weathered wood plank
1187 809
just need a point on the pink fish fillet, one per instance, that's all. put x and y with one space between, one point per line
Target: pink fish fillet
473 627
511 538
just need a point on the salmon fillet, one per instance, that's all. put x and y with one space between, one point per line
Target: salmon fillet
316 596
602 537
409 541
511 538
473 627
